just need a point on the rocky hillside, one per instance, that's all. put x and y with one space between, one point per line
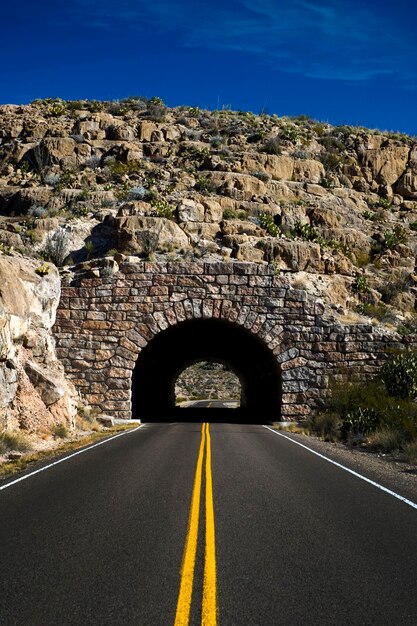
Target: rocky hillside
83 184
335 208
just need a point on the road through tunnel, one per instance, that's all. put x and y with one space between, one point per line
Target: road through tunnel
170 352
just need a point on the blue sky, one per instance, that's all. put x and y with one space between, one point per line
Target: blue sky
337 61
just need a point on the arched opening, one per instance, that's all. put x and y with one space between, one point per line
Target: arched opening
208 382
173 350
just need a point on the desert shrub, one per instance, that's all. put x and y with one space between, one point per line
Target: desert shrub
380 312
361 259
363 407
89 248
272 146
204 184
37 211
75 105
162 207
137 193
359 421
360 285
263 176
399 375
331 161
229 214
95 106
266 221
327 425
14 441
290 133
307 232
400 284
394 237
60 431
326 183
56 246
43 270
387 439
408 327
385 203
93 162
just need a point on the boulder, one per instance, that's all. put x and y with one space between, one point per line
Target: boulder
190 211
143 235
241 227
308 170
213 211
388 163
292 255
407 184
50 388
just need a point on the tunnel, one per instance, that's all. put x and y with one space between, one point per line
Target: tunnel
171 351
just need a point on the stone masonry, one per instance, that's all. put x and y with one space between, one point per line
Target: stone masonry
103 323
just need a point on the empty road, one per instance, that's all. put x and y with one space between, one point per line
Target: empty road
188 523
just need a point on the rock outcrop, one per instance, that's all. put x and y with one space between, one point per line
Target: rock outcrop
33 390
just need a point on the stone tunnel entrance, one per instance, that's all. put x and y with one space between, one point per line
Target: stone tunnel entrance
173 350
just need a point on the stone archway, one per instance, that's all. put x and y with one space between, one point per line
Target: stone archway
175 348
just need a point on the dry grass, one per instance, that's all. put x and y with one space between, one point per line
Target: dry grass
60 431
14 442
386 439
327 426
29 460
294 427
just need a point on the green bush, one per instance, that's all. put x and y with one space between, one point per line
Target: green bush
399 375
204 184
266 221
393 238
162 208
360 284
307 232
360 420
229 214
364 407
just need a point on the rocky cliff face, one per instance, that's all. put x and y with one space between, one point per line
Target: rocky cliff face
33 391
334 208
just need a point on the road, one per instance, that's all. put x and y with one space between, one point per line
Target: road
259 530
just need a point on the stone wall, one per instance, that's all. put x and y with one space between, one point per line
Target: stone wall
103 324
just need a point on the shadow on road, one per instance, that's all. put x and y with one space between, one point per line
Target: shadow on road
211 411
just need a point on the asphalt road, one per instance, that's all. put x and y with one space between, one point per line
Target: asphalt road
99 539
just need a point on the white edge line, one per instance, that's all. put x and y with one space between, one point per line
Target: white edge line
66 458
367 480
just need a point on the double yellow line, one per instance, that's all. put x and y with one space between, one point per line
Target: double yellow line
209 603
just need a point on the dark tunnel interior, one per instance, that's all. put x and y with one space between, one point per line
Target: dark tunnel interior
171 351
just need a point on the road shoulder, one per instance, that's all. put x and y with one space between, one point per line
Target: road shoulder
384 469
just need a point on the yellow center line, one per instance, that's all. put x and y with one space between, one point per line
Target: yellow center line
209 602
209 609
187 571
